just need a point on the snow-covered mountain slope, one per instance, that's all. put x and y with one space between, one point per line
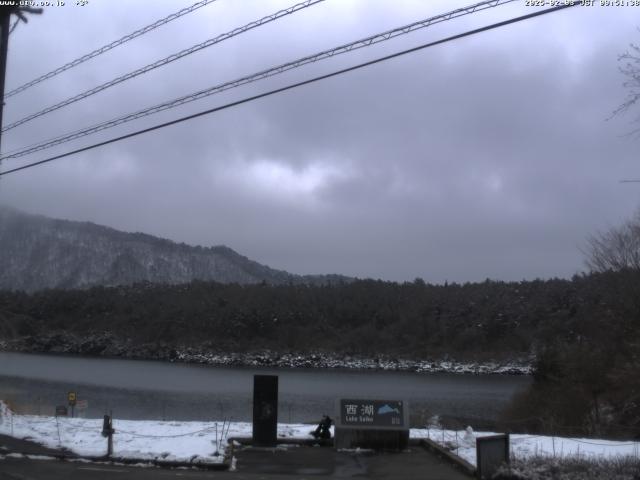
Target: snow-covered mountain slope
37 252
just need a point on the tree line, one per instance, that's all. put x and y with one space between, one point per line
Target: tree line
490 319
583 333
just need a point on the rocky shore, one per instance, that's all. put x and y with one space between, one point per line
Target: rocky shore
107 345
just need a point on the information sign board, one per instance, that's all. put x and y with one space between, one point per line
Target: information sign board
372 413
372 423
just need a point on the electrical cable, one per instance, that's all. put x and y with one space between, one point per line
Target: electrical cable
294 85
164 61
110 46
364 42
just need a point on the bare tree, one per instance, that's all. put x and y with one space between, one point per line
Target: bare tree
630 68
616 249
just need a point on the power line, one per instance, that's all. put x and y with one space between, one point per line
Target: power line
110 46
629 181
165 61
296 85
260 75
364 42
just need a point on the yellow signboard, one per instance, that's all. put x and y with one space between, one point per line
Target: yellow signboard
72 398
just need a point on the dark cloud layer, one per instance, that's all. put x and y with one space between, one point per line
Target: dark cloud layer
490 156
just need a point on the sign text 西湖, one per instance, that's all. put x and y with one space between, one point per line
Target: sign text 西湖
372 413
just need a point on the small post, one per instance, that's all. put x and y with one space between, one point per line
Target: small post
108 431
217 447
58 428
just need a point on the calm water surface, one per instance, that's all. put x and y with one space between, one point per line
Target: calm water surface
136 389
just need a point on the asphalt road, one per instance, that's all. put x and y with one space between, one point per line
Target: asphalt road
24 469
252 464
286 462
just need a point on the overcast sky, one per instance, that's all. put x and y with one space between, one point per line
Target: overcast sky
486 157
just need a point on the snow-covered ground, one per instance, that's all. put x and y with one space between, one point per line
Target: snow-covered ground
199 441
140 439
463 444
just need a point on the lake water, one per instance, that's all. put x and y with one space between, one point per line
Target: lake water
135 389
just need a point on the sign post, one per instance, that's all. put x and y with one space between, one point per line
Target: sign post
71 397
82 406
376 424
107 432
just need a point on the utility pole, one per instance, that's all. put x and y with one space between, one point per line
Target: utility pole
5 25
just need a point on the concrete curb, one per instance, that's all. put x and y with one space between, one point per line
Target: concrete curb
458 462
224 465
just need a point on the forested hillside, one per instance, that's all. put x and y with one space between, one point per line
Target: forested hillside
584 332
485 319
38 252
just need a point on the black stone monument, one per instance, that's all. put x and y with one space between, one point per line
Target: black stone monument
265 410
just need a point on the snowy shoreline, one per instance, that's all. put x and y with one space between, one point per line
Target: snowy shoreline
205 442
104 346
324 361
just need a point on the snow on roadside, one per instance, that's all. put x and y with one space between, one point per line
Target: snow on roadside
463 444
196 441
140 439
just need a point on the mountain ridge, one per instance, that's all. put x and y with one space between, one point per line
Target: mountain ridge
39 252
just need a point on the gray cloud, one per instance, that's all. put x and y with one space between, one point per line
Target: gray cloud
486 157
